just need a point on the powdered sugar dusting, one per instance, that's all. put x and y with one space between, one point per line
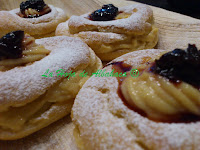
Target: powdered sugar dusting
55 12
34 26
23 84
137 23
91 36
106 123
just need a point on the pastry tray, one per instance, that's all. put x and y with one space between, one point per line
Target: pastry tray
175 31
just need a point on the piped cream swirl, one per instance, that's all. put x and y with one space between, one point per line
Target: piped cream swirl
31 53
160 98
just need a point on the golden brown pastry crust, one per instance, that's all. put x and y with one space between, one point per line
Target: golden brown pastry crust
104 122
24 89
38 27
110 39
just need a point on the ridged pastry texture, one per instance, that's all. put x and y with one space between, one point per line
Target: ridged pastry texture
133 29
103 121
29 102
38 27
159 98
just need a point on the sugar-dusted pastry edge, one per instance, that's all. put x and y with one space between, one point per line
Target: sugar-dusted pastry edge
34 26
105 122
66 53
57 110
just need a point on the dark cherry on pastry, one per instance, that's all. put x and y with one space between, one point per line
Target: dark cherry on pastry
108 12
180 65
35 4
18 49
33 9
28 100
112 32
167 89
11 45
150 111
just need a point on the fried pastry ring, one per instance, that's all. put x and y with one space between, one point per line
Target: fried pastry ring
28 101
104 121
42 26
131 30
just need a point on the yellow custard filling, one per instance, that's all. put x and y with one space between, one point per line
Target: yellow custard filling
131 43
110 50
31 13
15 118
31 53
109 45
78 139
123 15
159 98
31 117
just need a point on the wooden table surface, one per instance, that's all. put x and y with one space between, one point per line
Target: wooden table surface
175 31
